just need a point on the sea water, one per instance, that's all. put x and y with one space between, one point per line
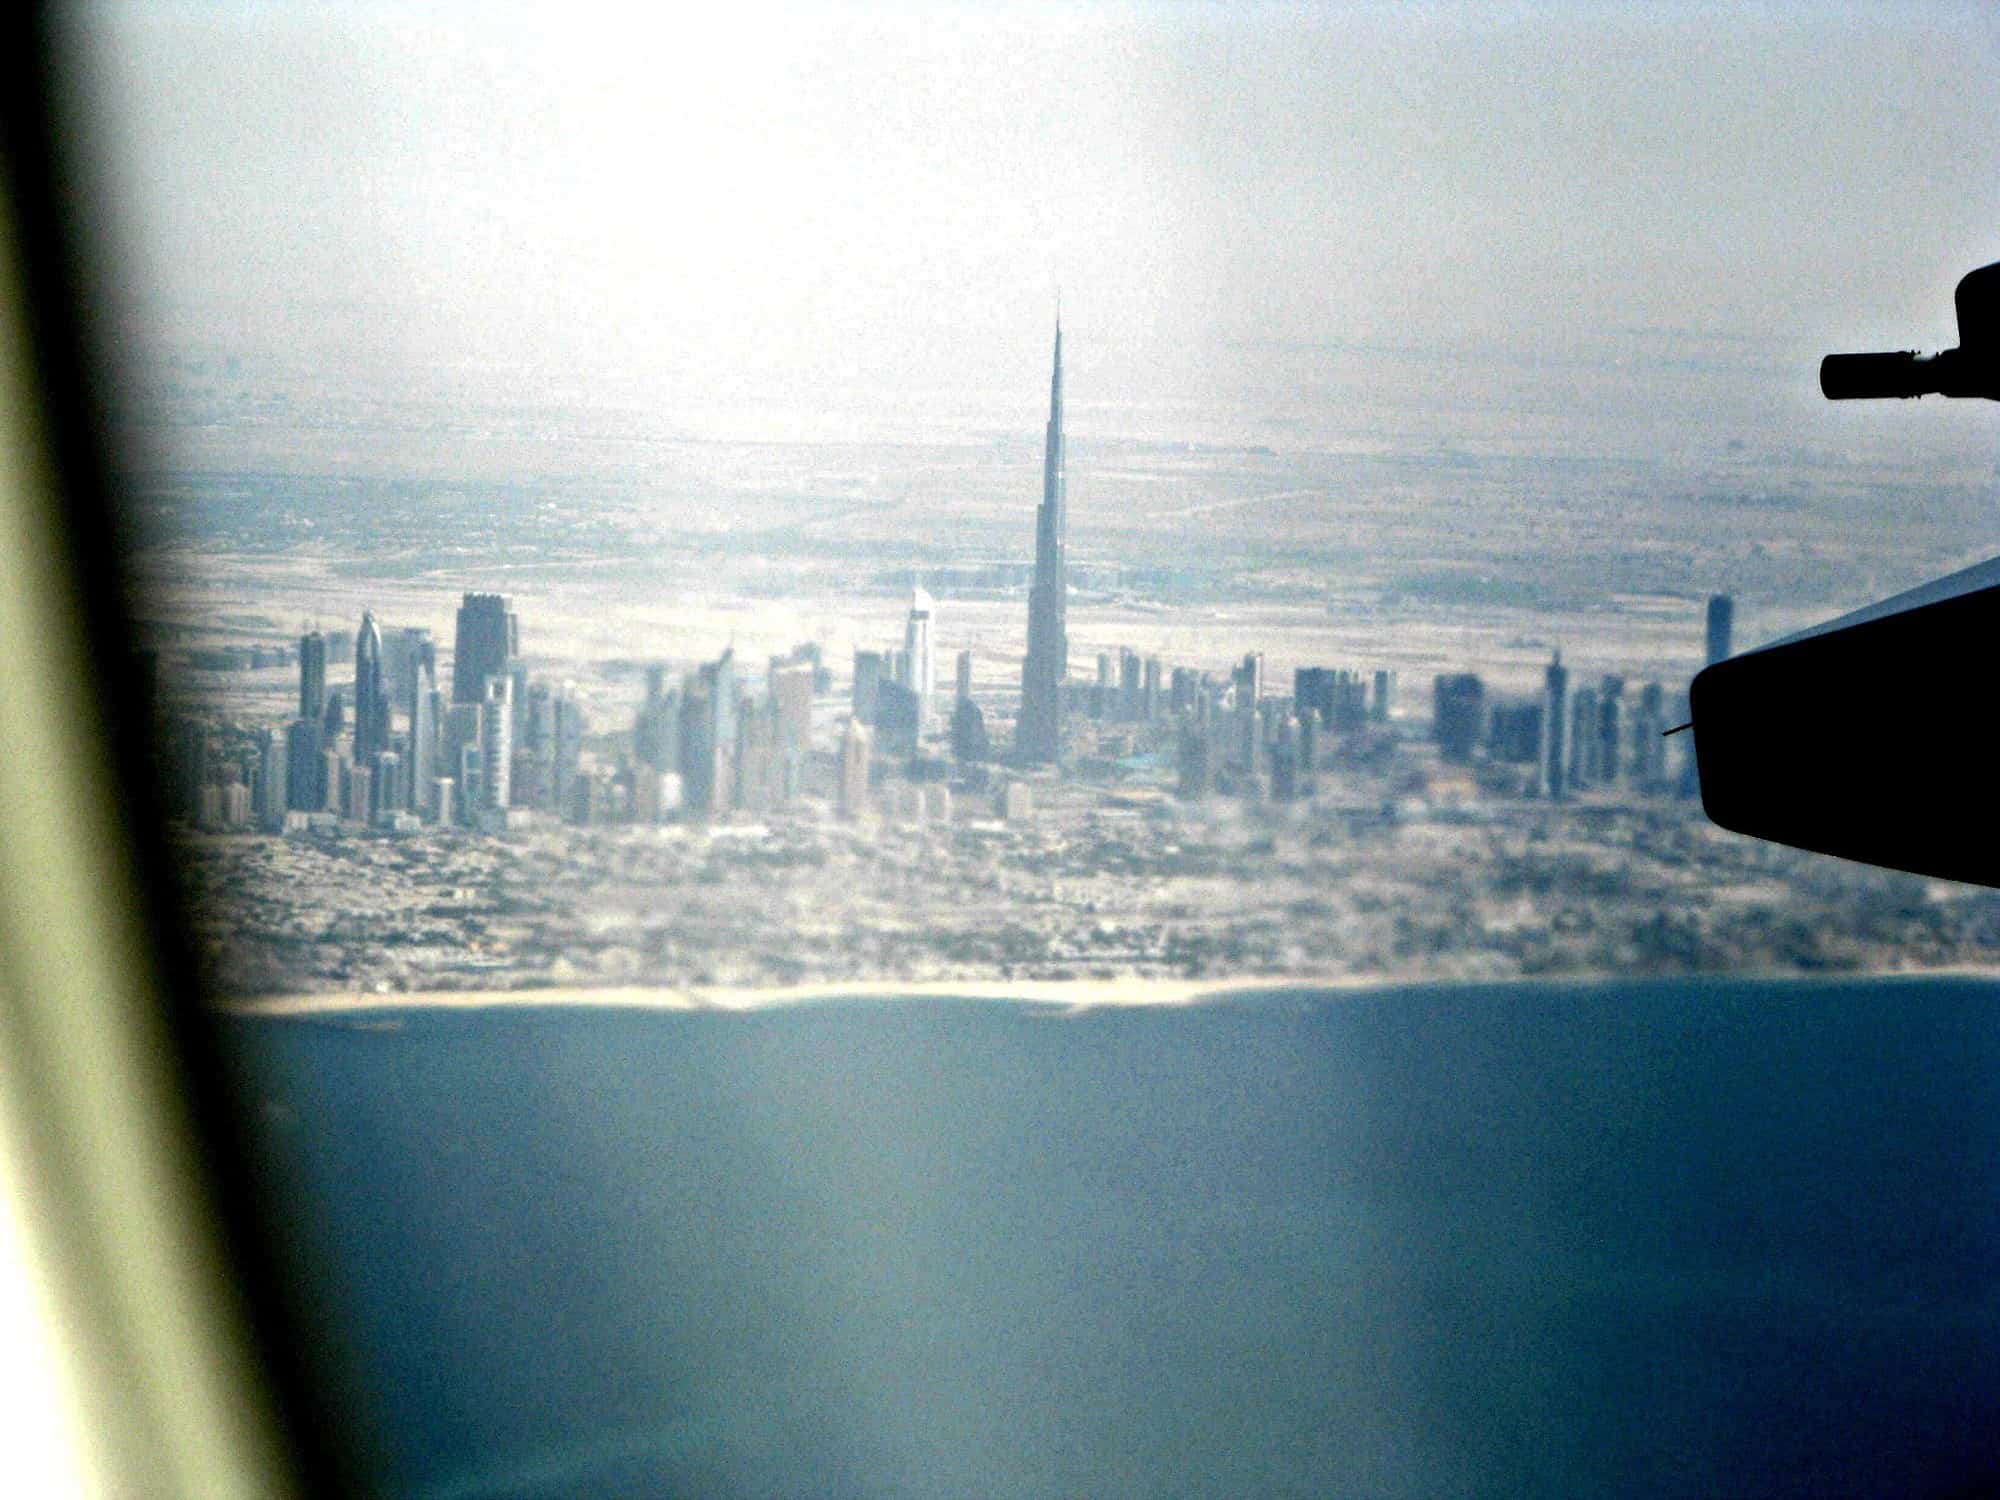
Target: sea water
1642 1238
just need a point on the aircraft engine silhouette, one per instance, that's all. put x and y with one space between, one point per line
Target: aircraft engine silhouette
1972 369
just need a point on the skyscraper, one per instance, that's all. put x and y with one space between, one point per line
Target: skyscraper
305 774
312 675
1610 728
422 708
426 742
1555 780
1458 713
791 687
568 748
1583 743
371 698
488 636
853 789
496 744
1038 736
920 656
1721 617
272 789
403 652
868 677
708 736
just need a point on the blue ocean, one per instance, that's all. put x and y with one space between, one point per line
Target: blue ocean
1663 1239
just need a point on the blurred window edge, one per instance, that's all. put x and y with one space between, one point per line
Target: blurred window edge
143 1378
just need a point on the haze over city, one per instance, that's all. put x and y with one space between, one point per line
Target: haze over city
1417 346
1390 225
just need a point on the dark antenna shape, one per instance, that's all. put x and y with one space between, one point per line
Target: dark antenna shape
1972 369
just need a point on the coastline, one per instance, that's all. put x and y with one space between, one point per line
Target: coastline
1065 995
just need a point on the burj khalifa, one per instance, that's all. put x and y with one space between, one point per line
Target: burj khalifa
1038 734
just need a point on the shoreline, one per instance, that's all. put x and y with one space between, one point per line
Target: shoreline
1068 995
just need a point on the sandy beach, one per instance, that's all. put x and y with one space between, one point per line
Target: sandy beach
1068 995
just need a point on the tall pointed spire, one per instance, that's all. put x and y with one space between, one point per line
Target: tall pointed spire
1038 734
1055 376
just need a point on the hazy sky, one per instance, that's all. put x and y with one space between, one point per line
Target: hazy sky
841 194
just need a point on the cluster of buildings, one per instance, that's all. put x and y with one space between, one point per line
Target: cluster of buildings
1573 738
1237 739
393 750
708 746
396 752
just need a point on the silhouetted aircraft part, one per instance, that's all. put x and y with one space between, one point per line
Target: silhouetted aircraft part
1669 733
1972 369
1868 737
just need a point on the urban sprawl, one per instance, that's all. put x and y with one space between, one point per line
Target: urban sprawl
1147 820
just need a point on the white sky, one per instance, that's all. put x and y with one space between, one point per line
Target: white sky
845 195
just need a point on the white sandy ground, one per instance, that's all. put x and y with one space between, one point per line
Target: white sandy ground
1072 995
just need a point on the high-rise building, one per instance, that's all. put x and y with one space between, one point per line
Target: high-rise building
1039 734
656 735
487 639
460 749
1610 728
969 741
964 683
428 746
273 790
496 745
1131 689
1649 749
1249 679
898 727
305 762
1458 711
422 708
404 652
335 765
312 675
868 679
360 794
1555 710
1514 734
568 750
1583 742
1350 701
708 736
535 750
1313 690
1721 620
371 697
1385 693
920 655
853 797
387 782
791 687
757 770
1194 762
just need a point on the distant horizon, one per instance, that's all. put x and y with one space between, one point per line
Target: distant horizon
786 201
